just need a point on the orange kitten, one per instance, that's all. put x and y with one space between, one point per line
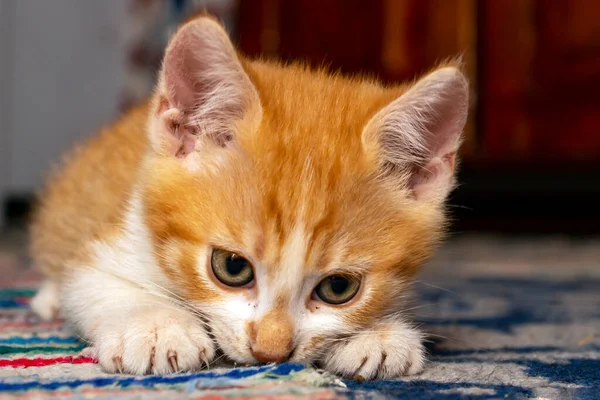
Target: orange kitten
270 211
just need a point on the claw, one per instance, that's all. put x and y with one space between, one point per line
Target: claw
118 362
381 366
406 367
172 357
362 363
203 358
152 357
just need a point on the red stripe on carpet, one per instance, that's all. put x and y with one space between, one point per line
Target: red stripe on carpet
41 362
22 300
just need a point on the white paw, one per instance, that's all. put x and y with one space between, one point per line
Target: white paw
46 301
154 341
389 351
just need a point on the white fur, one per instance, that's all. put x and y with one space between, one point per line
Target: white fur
46 302
387 350
125 306
228 321
290 272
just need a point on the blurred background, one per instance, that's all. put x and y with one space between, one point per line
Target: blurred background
531 159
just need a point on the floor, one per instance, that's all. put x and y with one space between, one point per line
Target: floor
508 317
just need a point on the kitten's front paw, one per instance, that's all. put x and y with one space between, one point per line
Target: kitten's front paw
158 341
388 351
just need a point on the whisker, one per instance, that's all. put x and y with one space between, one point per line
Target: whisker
437 287
163 292
460 206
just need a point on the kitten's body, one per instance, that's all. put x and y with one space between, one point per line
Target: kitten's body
297 170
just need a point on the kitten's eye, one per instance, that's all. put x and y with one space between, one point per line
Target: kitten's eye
337 289
231 269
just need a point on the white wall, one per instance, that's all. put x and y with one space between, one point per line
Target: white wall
6 41
61 70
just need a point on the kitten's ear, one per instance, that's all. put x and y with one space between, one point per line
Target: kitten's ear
416 137
203 91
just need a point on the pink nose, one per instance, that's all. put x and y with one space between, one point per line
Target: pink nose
272 337
268 356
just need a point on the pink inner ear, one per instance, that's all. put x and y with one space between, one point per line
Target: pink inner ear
202 71
163 105
444 131
442 138
433 178
188 142
176 139
421 131
204 82
450 160
180 68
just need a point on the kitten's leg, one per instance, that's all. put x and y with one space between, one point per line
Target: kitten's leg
132 329
387 350
46 301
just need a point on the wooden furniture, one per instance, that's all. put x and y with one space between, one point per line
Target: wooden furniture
534 64
540 82
531 160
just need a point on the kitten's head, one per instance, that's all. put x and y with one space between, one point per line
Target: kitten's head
291 206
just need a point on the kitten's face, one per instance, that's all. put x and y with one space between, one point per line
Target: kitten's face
308 232
291 208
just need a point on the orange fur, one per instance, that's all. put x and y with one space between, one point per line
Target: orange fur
84 199
297 166
309 115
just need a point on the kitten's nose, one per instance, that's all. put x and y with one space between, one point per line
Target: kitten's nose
272 337
267 356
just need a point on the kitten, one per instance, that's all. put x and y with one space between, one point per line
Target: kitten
273 212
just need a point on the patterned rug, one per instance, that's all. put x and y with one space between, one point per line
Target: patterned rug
508 319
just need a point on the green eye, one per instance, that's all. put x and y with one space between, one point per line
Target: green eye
337 289
231 269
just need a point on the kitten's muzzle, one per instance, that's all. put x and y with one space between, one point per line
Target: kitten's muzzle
272 337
